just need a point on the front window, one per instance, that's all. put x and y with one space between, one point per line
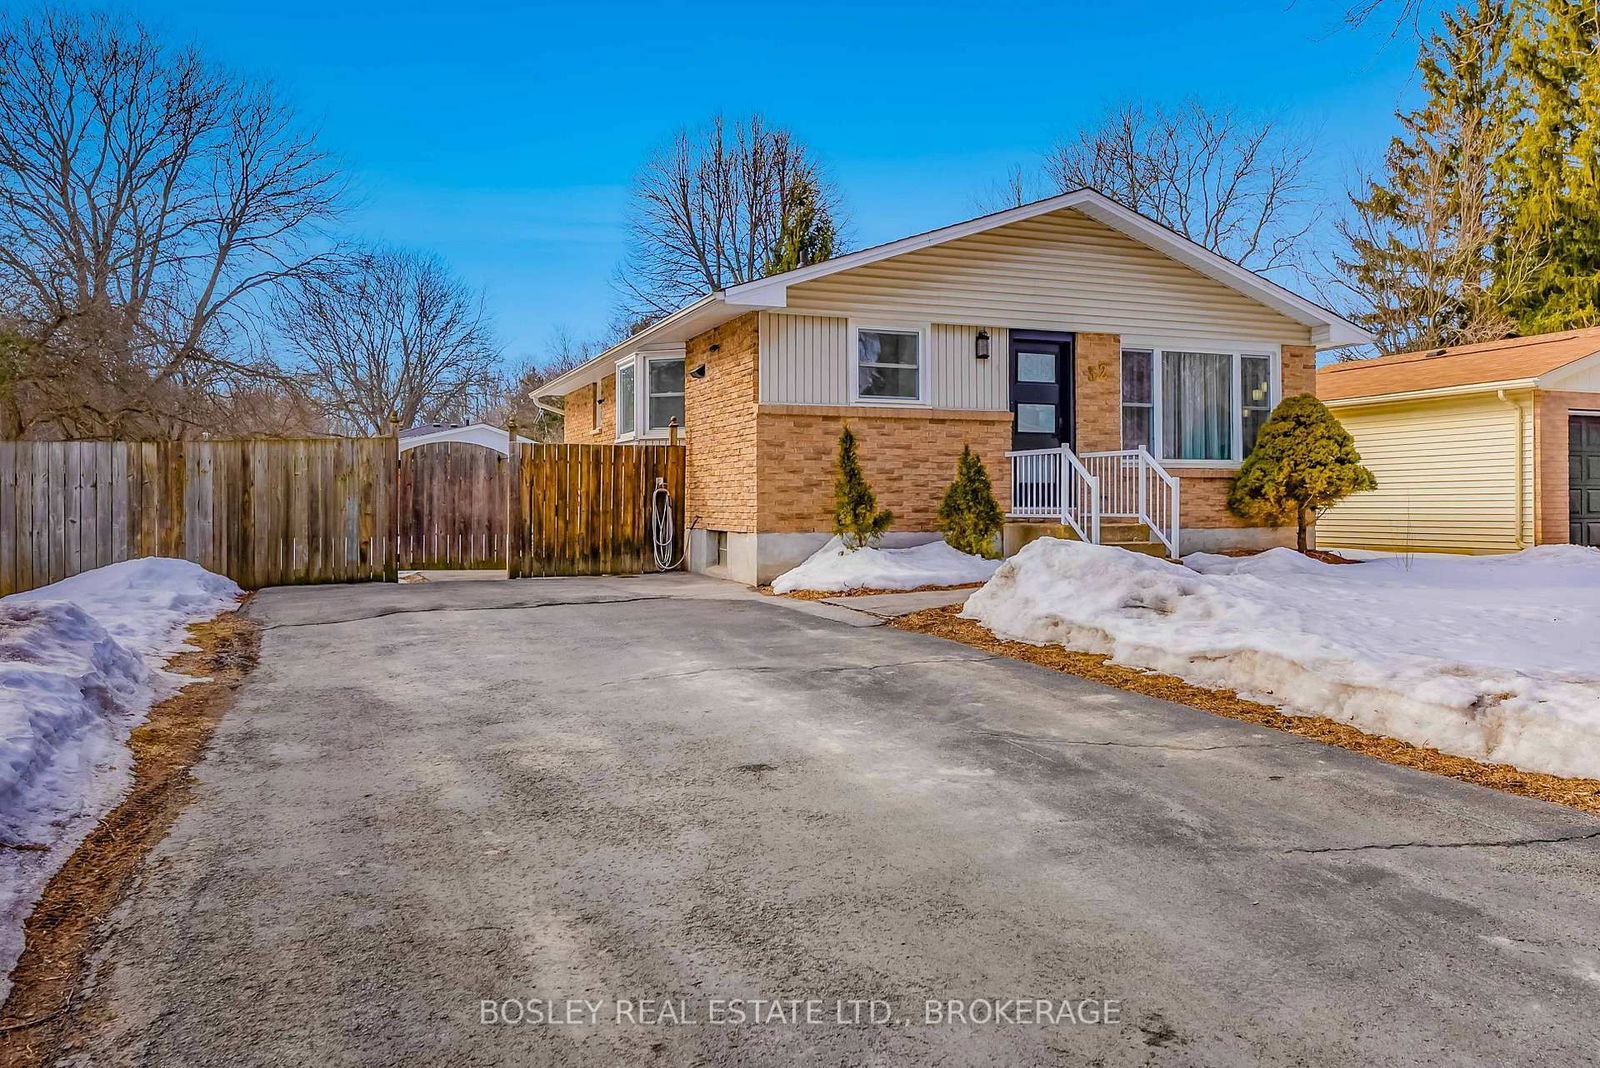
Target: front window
627 398
887 365
1255 394
665 402
1138 400
1196 406
1193 404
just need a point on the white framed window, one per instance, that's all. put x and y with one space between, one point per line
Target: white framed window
663 393
627 398
1197 405
888 364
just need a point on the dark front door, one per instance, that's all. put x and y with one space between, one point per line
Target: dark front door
1041 389
1583 478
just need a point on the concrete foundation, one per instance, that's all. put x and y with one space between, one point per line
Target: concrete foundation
757 559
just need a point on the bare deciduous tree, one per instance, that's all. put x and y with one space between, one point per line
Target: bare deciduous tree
710 209
1235 185
390 331
563 351
147 201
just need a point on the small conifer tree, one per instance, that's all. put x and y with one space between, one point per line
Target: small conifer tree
856 517
969 516
1303 463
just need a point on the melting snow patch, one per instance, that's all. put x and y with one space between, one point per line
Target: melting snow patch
80 667
1492 657
834 568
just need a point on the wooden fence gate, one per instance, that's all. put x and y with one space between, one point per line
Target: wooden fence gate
586 509
262 512
453 506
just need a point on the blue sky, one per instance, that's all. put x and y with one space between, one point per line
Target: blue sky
504 135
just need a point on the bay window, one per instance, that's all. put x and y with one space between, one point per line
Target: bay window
888 365
649 395
627 399
1195 405
665 401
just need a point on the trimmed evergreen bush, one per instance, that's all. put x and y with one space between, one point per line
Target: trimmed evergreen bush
969 516
1303 463
856 517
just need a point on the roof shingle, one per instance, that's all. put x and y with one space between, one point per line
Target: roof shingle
1466 365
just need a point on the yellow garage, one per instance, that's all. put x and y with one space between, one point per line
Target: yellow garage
1477 449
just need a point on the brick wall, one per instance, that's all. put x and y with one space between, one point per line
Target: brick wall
908 456
1299 372
1097 382
719 415
1552 519
577 426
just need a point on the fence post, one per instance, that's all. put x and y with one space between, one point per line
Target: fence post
514 532
391 552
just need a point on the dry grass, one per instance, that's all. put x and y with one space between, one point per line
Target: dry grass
1581 794
864 591
62 932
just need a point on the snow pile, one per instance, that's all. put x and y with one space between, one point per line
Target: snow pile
1495 658
834 568
80 666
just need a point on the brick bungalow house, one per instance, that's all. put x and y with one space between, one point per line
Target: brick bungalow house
1111 373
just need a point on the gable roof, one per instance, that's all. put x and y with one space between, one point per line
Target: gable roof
1518 360
1328 330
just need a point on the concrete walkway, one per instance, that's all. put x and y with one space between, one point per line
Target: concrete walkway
666 788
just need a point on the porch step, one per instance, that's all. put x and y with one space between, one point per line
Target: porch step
1134 537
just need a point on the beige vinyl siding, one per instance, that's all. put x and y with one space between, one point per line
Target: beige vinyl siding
806 359
1447 478
1059 271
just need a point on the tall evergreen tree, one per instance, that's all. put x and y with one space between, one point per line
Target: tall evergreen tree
1551 171
856 516
1420 244
969 516
808 233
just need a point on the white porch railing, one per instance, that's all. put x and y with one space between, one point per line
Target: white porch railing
1053 484
1080 492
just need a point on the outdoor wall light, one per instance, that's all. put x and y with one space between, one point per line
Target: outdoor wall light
698 372
983 344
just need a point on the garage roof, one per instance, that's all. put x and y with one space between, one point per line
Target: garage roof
1493 363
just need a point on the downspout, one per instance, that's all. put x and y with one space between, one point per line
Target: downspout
1521 543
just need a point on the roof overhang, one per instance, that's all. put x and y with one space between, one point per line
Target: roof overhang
1328 330
1433 394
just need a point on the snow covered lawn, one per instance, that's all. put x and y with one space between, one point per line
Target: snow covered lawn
80 667
1495 658
834 568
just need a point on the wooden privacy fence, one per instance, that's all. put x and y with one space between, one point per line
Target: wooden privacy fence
585 509
452 506
262 512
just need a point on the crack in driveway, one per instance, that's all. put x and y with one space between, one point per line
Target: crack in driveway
1019 739
764 669
404 610
1502 844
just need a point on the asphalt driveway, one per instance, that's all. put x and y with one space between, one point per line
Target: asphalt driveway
433 796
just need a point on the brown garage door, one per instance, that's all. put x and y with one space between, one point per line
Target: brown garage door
1583 478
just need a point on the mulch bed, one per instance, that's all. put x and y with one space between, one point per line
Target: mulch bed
823 595
1315 554
62 933
1581 794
